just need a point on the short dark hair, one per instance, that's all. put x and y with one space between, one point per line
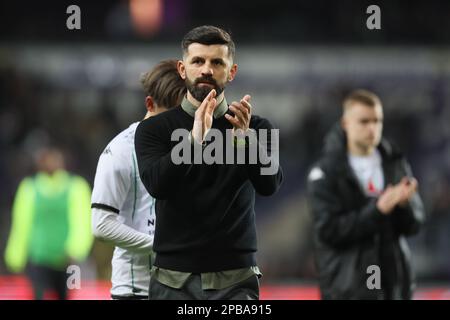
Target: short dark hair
164 84
362 96
208 35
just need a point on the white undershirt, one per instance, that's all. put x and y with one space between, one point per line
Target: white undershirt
369 172
107 227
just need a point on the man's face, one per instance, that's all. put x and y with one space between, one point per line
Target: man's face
363 125
50 161
206 67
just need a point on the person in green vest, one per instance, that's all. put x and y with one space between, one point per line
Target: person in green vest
50 225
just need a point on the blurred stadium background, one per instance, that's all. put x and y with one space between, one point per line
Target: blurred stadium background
297 59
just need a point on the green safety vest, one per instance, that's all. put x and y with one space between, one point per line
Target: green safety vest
50 221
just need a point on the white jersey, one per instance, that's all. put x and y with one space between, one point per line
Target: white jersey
118 188
369 172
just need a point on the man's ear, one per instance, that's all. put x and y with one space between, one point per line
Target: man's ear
150 104
181 69
233 72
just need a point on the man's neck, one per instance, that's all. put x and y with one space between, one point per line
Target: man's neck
148 115
197 103
359 151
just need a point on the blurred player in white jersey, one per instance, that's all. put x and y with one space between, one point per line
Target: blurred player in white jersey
123 213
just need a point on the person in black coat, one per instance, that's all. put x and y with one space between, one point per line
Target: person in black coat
364 202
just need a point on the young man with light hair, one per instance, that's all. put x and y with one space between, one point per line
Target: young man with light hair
364 202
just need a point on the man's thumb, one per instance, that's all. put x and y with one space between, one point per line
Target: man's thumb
247 97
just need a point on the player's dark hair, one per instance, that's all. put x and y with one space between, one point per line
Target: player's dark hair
208 35
164 84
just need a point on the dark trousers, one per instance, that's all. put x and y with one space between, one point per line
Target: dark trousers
192 290
45 279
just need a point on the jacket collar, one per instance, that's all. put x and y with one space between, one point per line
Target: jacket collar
336 145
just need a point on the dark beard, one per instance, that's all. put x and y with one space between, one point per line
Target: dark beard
200 92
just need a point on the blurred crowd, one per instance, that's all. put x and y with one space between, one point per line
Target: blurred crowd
79 100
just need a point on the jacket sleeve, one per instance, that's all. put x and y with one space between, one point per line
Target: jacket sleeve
332 224
153 152
266 175
16 252
408 220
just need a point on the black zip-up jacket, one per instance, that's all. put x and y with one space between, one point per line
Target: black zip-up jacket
351 234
